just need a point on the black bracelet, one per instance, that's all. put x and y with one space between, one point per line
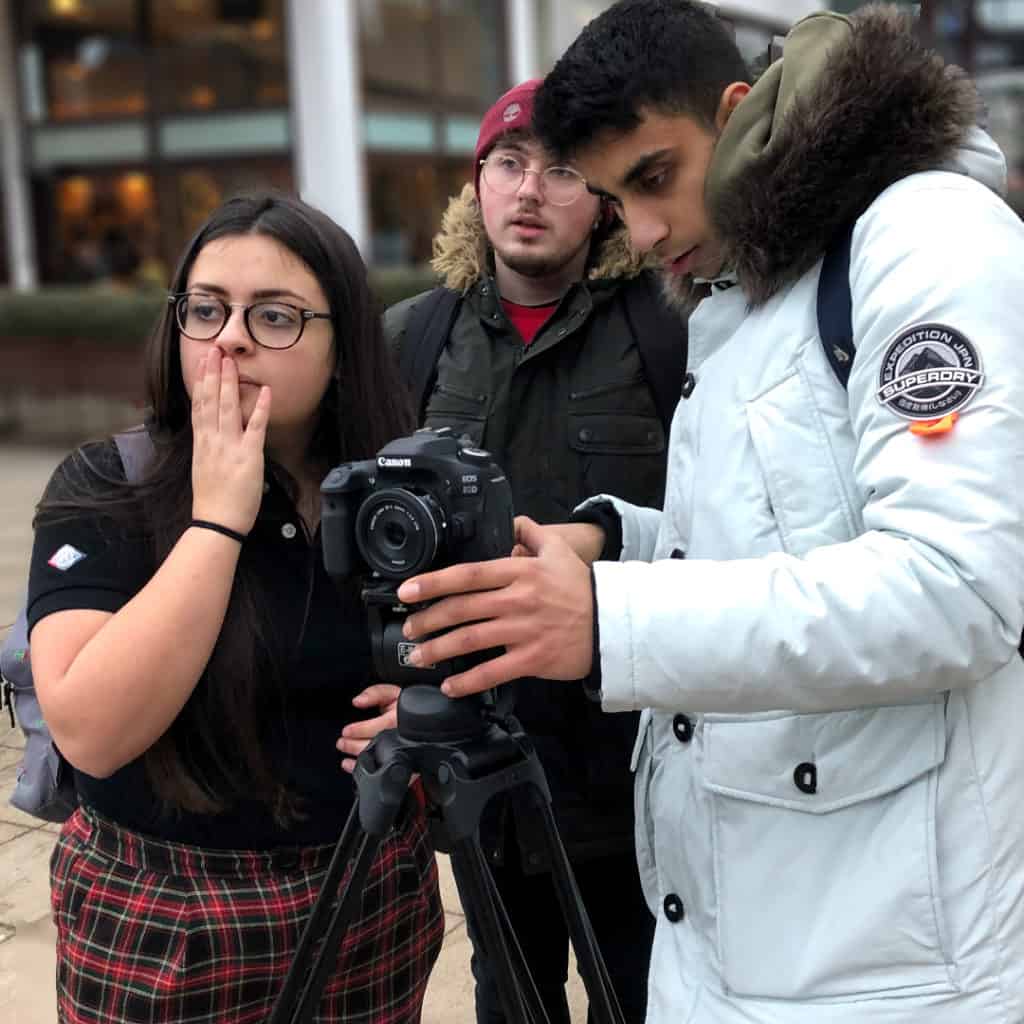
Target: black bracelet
205 524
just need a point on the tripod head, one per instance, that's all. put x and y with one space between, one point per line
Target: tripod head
454 745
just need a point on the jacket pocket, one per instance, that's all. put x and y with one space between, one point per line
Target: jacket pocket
621 454
463 411
825 853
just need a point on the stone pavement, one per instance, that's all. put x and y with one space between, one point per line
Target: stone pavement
26 934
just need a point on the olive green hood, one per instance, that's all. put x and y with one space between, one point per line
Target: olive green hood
853 105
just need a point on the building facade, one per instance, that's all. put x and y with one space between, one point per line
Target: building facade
124 122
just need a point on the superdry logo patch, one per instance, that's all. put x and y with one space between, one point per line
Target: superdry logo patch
65 557
929 371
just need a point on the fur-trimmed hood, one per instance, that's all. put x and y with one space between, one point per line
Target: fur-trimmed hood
854 105
462 254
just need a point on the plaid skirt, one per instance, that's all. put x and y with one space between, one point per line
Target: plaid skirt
162 932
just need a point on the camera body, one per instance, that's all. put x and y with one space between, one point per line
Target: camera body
427 501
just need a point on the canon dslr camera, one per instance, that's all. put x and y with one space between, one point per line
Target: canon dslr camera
426 501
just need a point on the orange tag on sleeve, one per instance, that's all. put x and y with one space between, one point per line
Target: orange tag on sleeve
929 428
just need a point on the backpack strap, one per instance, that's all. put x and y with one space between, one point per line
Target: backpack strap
426 333
835 306
661 337
135 447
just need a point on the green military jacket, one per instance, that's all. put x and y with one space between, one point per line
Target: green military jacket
567 417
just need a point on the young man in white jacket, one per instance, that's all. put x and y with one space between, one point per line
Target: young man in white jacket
823 624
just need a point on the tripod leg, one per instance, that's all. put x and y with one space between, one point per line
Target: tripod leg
356 846
519 996
604 1004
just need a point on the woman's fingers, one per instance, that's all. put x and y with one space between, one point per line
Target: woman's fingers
256 428
377 695
227 460
200 402
356 736
229 413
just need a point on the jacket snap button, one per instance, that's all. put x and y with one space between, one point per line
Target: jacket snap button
683 728
673 906
586 434
689 383
805 775
288 531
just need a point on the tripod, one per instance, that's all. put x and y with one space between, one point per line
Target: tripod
464 757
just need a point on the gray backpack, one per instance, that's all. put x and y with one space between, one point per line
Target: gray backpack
45 786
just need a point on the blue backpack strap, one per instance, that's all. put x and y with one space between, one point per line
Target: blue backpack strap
426 333
835 306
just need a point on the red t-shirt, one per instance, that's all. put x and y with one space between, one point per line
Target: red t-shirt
528 320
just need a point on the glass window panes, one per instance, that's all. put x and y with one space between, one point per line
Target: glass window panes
396 41
198 189
104 229
1001 14
472 44
407 198
92 62
213 54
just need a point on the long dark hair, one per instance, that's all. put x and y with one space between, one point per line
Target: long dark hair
215 751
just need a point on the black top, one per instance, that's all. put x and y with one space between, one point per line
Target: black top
89 562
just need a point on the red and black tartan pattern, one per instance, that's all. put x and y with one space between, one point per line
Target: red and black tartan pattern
161 932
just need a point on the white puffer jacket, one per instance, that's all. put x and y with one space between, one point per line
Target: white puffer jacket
830 772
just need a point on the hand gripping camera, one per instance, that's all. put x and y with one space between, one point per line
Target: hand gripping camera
426 501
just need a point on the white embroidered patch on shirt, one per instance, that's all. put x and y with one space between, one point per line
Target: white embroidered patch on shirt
65 557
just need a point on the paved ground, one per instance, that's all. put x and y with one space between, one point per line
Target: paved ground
26 934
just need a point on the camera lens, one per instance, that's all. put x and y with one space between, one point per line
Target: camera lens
396 535
399 532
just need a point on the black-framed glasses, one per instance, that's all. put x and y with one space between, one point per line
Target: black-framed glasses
505 173
271 324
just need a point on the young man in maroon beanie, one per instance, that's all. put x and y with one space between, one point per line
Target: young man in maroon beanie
558 356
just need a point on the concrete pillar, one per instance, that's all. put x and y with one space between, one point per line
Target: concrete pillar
327 111
525 59
19 239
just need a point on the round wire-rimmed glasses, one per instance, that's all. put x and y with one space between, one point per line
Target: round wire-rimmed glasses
270 323
505 173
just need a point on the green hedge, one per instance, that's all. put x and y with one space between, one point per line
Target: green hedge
123 317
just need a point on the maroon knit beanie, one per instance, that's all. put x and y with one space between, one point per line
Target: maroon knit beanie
513 111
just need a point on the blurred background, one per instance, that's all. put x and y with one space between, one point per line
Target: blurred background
123 123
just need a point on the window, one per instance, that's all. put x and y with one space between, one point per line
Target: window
104 229
472 44
84 59
213 55
407 198
396 40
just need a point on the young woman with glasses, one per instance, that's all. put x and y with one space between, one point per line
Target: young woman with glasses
196 666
